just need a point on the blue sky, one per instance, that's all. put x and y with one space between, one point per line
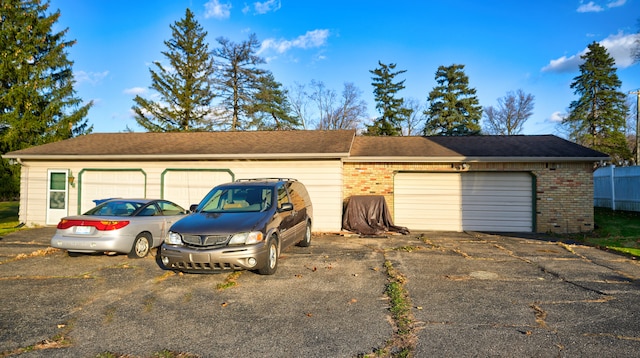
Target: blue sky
504 45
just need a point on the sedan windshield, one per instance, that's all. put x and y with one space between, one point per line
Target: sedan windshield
240 199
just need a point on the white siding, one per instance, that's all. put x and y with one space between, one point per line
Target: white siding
99 180
323 180
33 195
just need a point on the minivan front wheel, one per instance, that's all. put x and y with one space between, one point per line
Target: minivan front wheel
271 265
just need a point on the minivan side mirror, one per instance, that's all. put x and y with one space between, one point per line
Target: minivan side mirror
286 207
193 208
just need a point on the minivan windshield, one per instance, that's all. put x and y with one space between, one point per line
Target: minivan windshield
237 199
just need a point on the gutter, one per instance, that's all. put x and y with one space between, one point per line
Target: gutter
473 159
167 157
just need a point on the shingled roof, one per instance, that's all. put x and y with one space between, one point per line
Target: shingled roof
343 144
200 145
536 147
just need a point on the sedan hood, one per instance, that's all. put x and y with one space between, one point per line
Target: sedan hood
220 223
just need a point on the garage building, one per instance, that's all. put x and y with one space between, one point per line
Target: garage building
478 183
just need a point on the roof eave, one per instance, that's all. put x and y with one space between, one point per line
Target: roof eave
413 159
165 157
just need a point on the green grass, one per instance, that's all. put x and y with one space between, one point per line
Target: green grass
615 230
8 216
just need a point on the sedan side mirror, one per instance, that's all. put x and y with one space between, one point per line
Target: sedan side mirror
286 207
193 208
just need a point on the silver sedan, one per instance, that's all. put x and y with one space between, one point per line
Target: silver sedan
131 226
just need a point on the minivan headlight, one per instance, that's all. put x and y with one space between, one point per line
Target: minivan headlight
173 238
246 238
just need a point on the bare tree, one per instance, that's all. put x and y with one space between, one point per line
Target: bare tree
351 112
415 120
319 107
325 101
299 101
513 110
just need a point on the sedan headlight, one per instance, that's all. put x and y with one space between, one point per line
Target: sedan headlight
173 238
246 238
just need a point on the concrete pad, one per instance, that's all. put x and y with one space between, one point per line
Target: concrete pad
471 294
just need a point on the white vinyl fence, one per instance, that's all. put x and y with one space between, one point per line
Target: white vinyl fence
617 188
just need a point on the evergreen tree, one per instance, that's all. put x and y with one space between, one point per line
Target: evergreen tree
37 99
392 110
184 85
453 106
238 78
270 109
598 118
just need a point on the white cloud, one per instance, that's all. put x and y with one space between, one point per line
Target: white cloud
266 6
557 117
618 46
311 39
92 78
591 6
134 91
564 64
213 8
616 3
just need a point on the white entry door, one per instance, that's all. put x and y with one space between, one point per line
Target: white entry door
57 196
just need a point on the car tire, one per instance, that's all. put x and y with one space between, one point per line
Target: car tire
306 240
271 265
141 246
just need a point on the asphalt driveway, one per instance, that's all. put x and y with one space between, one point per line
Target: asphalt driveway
470 294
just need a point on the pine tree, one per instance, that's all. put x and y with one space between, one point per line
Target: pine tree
598 118
270 109
453 106
184 85
238 78
392 109
37 99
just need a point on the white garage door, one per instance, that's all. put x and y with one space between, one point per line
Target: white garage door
104 184
497 202
464 201
428 201
186 187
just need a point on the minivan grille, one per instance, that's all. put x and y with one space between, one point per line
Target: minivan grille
210 240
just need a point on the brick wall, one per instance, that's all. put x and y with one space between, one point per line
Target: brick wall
564 191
